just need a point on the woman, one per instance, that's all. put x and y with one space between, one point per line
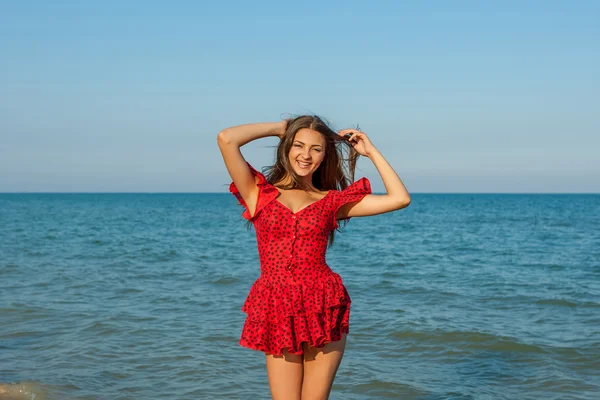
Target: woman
298 309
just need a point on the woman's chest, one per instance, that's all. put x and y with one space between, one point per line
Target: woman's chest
316 219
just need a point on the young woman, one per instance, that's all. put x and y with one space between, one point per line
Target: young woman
298 309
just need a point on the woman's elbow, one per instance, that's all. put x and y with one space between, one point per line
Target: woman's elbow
403 203
223 137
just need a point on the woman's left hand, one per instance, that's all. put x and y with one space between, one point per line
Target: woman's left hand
359 141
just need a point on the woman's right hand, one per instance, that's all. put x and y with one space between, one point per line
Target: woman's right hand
284 125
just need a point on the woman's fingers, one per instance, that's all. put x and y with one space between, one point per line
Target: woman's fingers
344 131
354 134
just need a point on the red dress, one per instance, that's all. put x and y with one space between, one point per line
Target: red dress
297 298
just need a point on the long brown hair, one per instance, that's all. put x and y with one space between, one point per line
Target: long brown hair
336 171
333 173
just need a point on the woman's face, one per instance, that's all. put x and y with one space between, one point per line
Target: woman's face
307 151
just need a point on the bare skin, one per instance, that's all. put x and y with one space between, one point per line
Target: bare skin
306 154
307 376
231 139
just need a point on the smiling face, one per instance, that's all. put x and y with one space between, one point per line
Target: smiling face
307 151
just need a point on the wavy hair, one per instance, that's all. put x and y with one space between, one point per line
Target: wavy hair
336 171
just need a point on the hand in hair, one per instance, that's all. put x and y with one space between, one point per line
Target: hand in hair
359 141
284 124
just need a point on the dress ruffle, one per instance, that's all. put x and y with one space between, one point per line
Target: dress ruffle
314 329
354 192
269 301
282 316
266 194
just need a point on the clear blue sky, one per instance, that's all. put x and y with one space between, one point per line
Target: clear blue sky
461 96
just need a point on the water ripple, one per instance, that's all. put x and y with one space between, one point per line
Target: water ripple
130 296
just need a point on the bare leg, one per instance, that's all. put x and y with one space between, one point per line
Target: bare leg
320 367
285 375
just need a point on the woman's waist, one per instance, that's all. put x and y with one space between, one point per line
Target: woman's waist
296 271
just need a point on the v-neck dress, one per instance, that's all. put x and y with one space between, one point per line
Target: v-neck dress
297 297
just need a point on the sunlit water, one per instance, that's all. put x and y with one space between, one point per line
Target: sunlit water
138 296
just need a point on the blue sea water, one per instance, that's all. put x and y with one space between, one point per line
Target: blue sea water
138 296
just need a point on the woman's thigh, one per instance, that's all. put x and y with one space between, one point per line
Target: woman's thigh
320 367
285 375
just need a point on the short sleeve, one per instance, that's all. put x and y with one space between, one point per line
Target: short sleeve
266 193
355 192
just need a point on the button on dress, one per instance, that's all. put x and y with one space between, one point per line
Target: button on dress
297 297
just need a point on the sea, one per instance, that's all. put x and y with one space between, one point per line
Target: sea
458 296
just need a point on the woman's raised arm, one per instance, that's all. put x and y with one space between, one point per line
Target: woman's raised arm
230 140
397 196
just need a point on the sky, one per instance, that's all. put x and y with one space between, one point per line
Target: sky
459 97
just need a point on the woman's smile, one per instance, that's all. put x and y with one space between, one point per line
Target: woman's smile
303 165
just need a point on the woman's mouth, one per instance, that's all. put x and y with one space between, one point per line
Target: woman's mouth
303 165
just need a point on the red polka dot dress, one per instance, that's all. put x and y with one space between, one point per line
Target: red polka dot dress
297 298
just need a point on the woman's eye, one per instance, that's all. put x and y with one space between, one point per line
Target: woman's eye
299 145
